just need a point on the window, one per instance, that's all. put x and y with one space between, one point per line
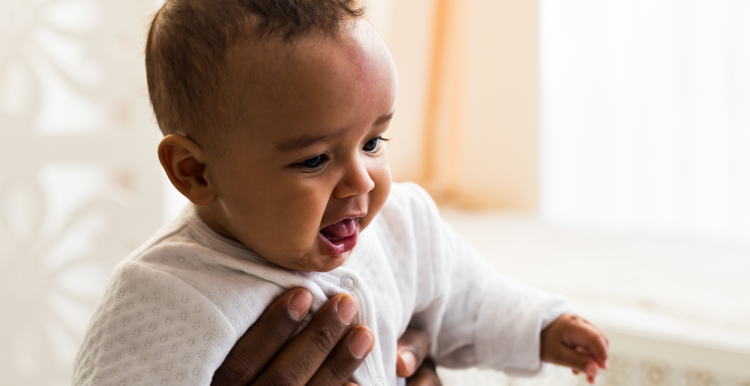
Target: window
646 115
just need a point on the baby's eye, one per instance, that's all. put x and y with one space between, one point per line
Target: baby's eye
314 162
372 144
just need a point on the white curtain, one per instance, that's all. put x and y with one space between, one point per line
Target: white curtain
646 115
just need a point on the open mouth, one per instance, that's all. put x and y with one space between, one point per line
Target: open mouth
342 229
339 237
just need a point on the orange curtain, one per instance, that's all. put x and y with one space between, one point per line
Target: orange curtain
466 125
445 99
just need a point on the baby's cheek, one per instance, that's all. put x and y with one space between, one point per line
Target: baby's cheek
379 195
283 228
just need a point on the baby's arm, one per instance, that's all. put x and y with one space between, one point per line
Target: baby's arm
474 316
573 342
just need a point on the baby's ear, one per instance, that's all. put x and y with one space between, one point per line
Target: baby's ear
185 164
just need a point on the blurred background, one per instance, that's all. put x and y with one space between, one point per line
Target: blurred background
593 148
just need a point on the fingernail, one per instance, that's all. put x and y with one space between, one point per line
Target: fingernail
360 343
606 364
346 309
409 360
300 304
590 369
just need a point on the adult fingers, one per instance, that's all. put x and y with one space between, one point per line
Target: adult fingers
300 359
413 348
264 339
426 375
345 358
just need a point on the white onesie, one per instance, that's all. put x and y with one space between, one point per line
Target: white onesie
175 307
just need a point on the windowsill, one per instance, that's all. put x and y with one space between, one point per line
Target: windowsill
685 291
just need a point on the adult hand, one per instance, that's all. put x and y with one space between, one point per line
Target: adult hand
412 361
324 353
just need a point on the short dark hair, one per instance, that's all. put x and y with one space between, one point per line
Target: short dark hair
187 45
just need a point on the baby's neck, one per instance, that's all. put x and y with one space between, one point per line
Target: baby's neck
211 219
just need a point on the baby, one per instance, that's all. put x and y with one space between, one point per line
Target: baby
274 114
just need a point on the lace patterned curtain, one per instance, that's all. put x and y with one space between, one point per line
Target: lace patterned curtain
79 181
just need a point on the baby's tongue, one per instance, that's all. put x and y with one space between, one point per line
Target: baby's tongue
341 229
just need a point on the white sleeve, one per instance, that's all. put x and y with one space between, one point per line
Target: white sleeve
477 317
152 329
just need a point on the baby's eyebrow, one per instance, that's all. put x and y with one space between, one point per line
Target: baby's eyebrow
304 141
384 119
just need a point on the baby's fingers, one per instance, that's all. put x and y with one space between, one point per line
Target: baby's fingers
586 335
576 361
589 378
579 363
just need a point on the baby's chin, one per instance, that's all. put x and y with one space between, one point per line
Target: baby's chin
329 263
317 263
326 253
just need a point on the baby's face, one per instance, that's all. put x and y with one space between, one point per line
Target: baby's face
304 170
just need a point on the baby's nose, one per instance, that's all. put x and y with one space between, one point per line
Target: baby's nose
355 182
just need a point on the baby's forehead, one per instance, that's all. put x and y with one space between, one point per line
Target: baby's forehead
315 85
190 84
273 59
264 70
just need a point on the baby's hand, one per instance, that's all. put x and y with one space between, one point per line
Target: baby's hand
573 342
